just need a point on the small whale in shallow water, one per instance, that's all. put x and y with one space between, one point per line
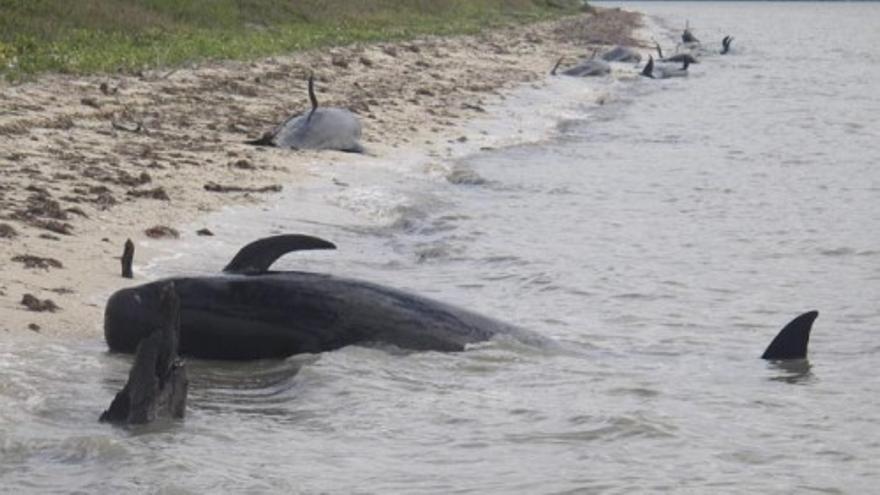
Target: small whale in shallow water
791 342
320 129
249 312
687 37
622 54
678 58
585 68
654 71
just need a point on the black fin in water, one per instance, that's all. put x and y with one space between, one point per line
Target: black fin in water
659 50
648 71
725 44
259 255
791 342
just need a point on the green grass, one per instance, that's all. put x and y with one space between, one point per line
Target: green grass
88 36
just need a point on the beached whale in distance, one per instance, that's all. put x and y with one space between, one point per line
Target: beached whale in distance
327 128
791 342
622 54
654 71
585 68
678 58
249 312
687 36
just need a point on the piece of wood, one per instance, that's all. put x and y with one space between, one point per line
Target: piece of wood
127 259
157 383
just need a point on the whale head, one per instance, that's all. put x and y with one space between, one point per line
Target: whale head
130 316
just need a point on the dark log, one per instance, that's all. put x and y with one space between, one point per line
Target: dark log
157 383
127 259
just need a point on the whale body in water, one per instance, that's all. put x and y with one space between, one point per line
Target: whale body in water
249 312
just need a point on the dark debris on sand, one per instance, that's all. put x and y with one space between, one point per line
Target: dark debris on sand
31 261
33 303
162 232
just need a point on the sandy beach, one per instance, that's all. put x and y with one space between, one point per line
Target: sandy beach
90 161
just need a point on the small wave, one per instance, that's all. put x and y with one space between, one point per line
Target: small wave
464 175
72 450
639 296
436 251
841 251
402 212
634 391
613 428
255 387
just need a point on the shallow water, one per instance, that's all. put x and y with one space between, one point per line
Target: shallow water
663 238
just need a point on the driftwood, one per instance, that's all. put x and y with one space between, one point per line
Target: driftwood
214 187
127 259
157 383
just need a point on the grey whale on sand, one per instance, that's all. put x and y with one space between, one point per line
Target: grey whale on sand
328 128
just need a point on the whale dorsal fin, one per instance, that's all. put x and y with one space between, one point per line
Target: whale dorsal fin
259 255
312 97
791 342
648 71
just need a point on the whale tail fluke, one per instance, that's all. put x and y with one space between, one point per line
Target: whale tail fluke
259 255
725 44
648 71
792 340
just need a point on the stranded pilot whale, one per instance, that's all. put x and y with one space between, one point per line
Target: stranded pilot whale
585 68
328 128
249 312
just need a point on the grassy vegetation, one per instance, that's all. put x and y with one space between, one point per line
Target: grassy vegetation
85 36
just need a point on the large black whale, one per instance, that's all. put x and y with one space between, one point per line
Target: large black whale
249 312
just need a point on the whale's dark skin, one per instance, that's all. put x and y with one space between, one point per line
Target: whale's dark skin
262 314
791 342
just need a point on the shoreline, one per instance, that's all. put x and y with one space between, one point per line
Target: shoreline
91 161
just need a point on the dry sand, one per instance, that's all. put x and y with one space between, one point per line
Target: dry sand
89 161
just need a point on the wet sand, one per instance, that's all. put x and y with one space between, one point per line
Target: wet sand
90 161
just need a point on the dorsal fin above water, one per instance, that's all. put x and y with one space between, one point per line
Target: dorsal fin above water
648 71
259 255
792 341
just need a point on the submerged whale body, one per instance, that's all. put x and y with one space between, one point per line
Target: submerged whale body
654 71
327 128
791 342
622 54
249 312
678 58
585 68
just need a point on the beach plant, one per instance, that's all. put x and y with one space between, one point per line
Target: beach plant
89 36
